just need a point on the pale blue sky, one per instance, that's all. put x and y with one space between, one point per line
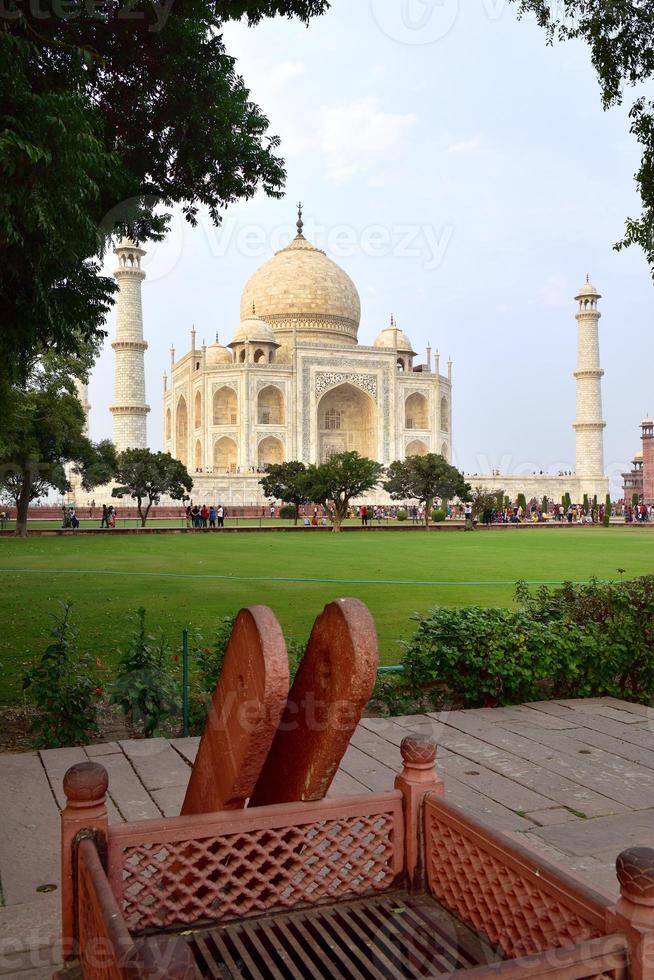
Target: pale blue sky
465 176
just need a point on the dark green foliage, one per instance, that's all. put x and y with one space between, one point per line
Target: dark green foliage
43 431
209 657
585 502
635 500
286 482
438 516
113 115
522 502
288 512
344 477
401 515
64 687
146 687
545 505
607 511
425 478
577 641
147 476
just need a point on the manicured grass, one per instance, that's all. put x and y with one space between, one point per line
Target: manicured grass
195 579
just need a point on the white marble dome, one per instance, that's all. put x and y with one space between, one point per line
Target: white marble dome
300 289
395 339
252 328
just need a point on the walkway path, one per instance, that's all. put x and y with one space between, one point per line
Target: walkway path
572 779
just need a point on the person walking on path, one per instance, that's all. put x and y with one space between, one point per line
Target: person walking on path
364 516
212 516
221 515
105 516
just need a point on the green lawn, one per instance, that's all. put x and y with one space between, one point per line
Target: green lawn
195 579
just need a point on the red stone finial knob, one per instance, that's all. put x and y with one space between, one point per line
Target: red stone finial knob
418 750
635 870
85 783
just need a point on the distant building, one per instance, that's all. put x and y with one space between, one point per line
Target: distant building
639 481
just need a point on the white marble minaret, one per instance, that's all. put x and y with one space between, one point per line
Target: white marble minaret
589 426
129 409
82 389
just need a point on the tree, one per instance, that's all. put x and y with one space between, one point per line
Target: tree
43 437
344 477
484 501
607 510
148 476
622 52
285 482
101 138
425 478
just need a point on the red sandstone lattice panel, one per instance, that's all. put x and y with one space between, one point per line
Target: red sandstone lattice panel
99 941
508 900
212 876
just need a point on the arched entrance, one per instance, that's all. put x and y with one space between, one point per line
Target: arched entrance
225 407
416 412
225 456
270 406
416 448
198 456
197 413
181 431
271 452
347 422
445 414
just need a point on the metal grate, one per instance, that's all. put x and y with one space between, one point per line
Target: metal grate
389 936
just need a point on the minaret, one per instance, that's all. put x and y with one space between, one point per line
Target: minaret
129 409
589 426
82 389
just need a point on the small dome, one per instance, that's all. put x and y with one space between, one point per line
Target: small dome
587 290
217 354
637 458
647 421
255 330
394 339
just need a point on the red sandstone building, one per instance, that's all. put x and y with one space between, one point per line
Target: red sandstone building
639 481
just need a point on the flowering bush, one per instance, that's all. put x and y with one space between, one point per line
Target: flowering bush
64 688
146 687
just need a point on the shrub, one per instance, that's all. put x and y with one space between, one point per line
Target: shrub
401 515
607 510
288 512
438 516
64 688
209 656
145 688
577 641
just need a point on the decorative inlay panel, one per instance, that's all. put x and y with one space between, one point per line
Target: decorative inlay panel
330 379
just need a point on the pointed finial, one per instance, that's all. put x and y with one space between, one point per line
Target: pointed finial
392 320
217 339
254 309
300 223
588 277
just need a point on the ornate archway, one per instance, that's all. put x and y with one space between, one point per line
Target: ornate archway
225 407
197 410
181 431
416 412
198 456
347 422
445 414
416 448
271 452
225 456
270 406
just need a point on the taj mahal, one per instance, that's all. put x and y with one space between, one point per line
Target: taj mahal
293 382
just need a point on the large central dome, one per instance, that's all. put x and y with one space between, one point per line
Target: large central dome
301 290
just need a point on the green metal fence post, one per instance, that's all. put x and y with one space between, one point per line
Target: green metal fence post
185 683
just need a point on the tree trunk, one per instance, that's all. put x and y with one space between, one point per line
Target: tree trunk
428 507
23 504
143 516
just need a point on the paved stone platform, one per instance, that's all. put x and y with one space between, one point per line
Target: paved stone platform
574 780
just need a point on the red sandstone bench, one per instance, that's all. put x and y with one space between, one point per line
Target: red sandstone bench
396 884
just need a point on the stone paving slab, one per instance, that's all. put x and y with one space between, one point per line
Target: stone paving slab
573 780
